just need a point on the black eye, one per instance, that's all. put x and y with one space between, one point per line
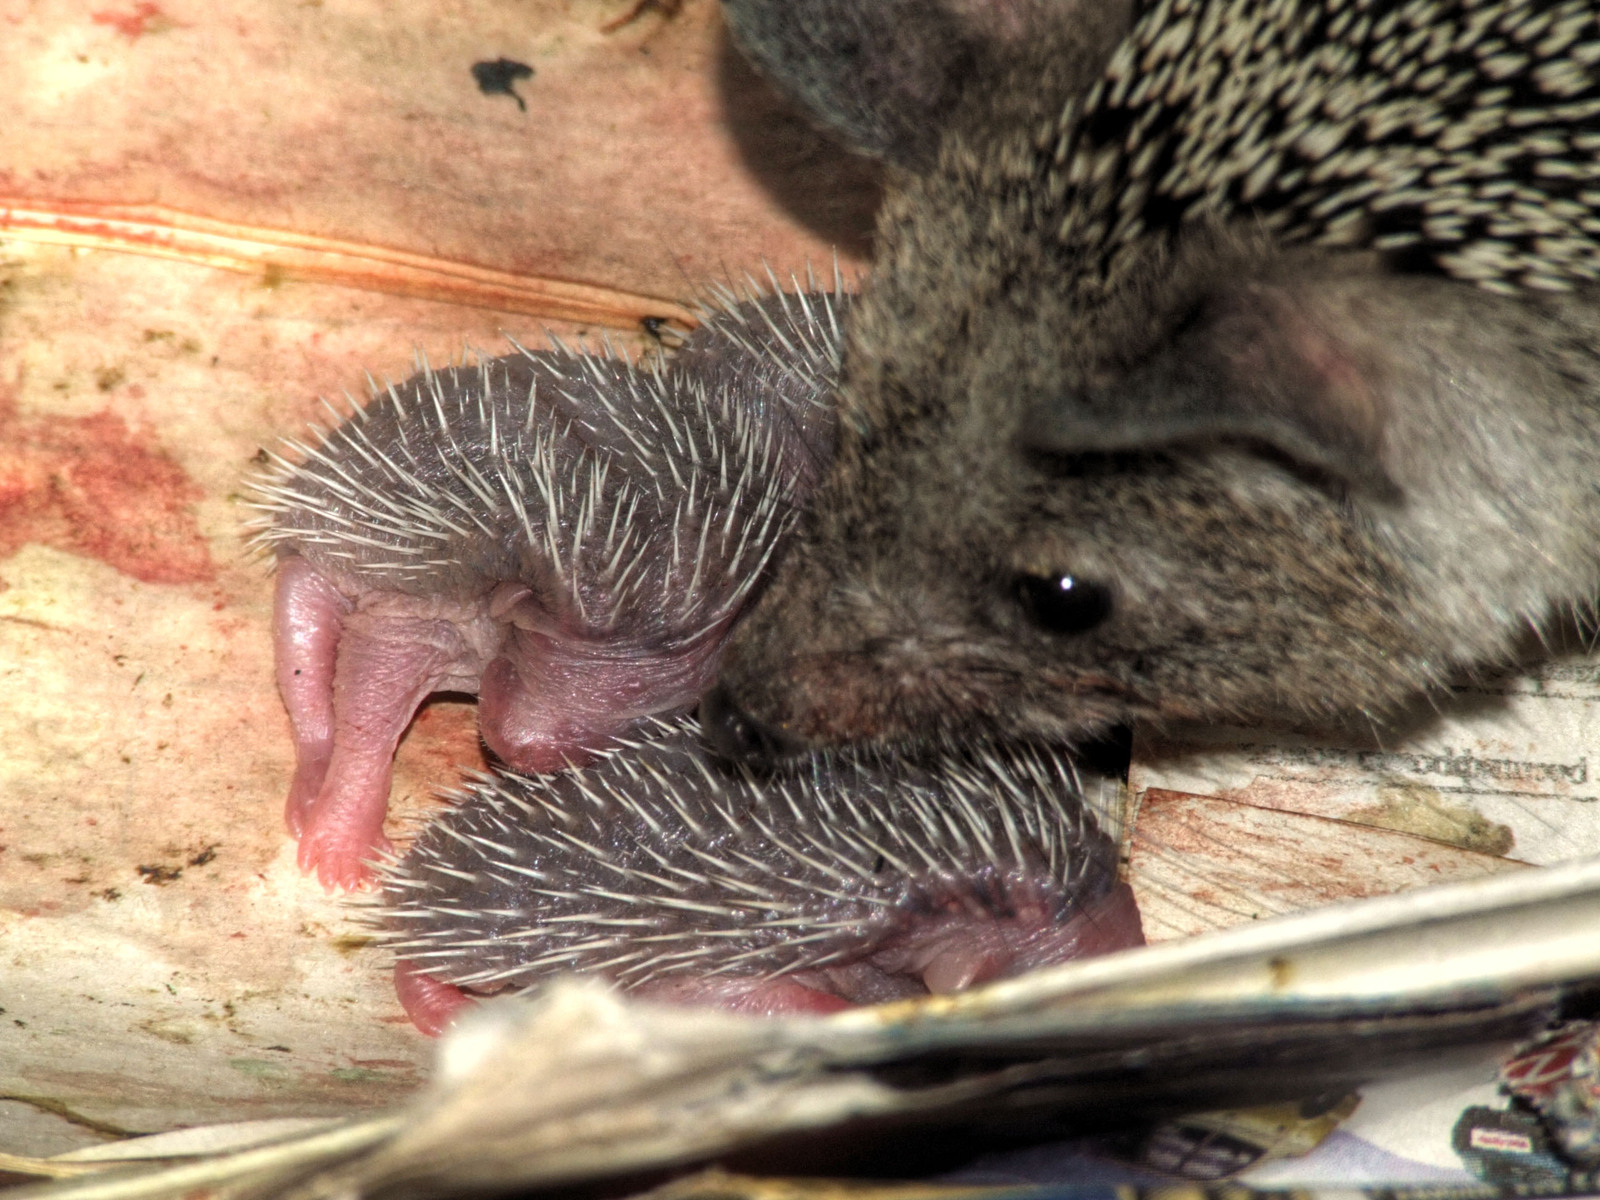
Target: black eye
1064 603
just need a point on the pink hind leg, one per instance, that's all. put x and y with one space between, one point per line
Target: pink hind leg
352 675
307 616
386 667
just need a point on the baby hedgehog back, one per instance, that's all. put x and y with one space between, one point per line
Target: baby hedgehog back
847 878
568 535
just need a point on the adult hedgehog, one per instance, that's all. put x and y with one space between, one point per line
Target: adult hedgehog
1260 378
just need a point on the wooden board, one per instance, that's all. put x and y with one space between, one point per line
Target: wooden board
161 961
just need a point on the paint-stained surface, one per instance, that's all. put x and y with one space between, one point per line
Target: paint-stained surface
1238 824
364 122
91 486
161 960
1200 863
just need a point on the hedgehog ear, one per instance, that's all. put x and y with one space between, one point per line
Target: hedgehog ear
1251 366
880 74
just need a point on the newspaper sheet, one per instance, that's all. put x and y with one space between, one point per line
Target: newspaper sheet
1236 825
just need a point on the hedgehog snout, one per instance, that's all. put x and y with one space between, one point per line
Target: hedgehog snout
549 702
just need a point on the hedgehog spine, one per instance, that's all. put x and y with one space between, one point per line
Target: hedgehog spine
651 863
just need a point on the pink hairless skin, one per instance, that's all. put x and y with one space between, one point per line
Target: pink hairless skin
354 665
570 537
969 953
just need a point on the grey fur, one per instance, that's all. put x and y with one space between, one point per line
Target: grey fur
824 55
888 77
1283 327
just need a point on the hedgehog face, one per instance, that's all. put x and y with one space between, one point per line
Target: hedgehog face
1254 484
1187 574
1285 354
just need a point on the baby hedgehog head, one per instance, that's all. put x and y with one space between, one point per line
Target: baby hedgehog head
857 876
569 535
634 501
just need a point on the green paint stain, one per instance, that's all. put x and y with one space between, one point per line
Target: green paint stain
358 1075
260 1068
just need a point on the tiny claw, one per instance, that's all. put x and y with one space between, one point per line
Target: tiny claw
340 860
957 968
430 1003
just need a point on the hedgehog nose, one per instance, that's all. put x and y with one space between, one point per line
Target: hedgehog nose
739 737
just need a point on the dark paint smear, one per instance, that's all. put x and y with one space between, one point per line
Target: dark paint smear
498 78
89 486
669 9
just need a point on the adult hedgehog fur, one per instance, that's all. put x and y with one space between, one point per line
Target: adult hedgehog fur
858 876
1241 363
569 535
1463 136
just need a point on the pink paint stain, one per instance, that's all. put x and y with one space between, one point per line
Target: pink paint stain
90 486
130 24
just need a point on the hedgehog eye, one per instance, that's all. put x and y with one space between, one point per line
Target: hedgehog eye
1063 603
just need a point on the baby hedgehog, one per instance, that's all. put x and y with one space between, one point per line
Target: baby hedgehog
568 535
845 878
1243 367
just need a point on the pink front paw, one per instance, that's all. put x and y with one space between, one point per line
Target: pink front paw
341 854
430 1003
